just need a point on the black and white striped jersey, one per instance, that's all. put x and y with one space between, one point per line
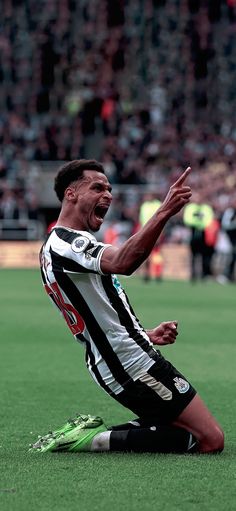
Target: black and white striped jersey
95 308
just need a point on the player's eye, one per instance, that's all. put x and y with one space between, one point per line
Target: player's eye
97 187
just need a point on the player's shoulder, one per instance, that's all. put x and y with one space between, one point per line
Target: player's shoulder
71 240
69 235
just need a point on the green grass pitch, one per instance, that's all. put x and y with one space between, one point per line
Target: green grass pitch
44 381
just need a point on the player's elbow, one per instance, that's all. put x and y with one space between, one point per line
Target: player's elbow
130 266
119 267
129 271
124 269
123 266
122 262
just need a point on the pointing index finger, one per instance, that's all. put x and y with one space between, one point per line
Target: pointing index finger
183 176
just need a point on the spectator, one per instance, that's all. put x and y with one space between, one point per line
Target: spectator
229 225
199 217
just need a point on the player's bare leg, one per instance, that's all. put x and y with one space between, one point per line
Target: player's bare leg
197 419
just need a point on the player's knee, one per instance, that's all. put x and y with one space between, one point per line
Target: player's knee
217 441
214 442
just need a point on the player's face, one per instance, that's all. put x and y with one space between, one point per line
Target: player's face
93 194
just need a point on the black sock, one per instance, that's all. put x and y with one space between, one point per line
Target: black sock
137 422
163 439
127 425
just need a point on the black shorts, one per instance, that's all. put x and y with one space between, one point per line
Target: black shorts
160 394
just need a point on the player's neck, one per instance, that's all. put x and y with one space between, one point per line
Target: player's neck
66 220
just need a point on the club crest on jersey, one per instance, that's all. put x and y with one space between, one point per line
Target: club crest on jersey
79 244
181 385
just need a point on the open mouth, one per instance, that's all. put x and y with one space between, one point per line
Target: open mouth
100 212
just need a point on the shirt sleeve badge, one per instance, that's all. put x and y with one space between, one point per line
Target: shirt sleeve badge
80 244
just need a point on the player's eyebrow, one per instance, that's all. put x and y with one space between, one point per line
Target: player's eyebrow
100 183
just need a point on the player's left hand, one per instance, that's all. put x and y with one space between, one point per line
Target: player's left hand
165 333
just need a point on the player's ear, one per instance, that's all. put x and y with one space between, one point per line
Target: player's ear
70 193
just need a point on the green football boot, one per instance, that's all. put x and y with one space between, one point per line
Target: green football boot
76 435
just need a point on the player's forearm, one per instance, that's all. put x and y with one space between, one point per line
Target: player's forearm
137 248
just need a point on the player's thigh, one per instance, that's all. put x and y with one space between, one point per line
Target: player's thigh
159 394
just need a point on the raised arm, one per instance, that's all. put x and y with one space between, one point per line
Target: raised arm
127 258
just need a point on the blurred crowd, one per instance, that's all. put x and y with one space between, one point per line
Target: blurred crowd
145 86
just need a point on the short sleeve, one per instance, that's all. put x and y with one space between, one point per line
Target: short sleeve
87 252
77 251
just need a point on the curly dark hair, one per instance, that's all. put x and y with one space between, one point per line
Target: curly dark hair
73 171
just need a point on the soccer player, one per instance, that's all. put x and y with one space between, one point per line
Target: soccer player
79 275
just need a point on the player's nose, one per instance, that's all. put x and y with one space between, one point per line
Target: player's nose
108 195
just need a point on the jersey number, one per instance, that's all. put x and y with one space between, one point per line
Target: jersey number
74 321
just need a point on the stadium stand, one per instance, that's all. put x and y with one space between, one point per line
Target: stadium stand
146 86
